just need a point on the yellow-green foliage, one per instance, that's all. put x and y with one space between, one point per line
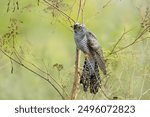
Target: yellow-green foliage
44 38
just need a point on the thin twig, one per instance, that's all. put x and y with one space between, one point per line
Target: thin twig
34 73
142 87
119 40
114 47
105 94
72 7
12 66
83 5
68 28
144 93
38 2
105 5
135 40
20 57
79 10
67 16
142 39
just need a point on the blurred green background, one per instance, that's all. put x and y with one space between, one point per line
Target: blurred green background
46 39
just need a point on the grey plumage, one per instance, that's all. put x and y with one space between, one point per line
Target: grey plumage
96 51
87 42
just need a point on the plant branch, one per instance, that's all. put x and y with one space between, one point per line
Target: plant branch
63 13
105 94
79 10
72 6
136 39
20 57
75 87
145 92
83 5
21 64
105 5
119 40
132 43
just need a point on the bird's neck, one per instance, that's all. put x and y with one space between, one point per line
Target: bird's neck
79 36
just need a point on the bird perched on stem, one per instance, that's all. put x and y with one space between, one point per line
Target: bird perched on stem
87 42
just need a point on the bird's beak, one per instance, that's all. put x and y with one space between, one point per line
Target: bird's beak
71 26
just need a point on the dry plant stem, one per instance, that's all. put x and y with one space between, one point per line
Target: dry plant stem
107 4
79 10
145 92
135 40
75 88
67 16
72 6
114 47
119 40
142 87
21 58
83 5
34 73
103 92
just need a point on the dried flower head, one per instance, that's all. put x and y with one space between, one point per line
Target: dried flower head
12 5
146 20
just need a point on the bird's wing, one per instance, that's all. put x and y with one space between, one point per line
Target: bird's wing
96 51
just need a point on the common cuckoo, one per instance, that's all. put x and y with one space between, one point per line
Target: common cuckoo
87 42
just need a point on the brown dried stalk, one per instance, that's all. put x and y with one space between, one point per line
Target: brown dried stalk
75 87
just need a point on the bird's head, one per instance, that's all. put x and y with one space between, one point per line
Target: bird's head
79 28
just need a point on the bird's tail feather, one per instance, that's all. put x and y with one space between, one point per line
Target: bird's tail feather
90 76
85 77
101 63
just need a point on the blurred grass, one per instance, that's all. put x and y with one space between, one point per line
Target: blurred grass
46 42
